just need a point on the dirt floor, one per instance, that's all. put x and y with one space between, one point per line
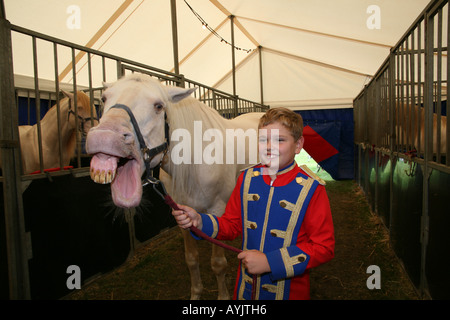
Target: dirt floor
158 272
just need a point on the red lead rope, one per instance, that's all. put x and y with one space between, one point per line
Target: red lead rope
169 201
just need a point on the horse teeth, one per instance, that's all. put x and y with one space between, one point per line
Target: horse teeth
103 177
110 176
97 176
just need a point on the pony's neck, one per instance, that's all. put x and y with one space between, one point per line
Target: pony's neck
50 133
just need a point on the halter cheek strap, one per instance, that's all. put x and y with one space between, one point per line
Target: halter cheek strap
147 154
83 120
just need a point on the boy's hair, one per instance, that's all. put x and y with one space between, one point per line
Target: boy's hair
288 118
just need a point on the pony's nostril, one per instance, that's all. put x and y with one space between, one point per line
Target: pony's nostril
128 138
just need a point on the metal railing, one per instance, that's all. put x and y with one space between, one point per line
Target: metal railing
404 108
402 136
87 69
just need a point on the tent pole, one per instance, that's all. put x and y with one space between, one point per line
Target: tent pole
173 9
233 62
261 74
16 241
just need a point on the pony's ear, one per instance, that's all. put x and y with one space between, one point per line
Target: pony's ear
107 84
67 94
177 94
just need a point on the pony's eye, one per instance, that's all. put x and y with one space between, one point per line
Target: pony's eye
103 98
158 107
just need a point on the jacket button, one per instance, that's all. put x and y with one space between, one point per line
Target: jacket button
273 234
301 259
253 226
283 204
255 197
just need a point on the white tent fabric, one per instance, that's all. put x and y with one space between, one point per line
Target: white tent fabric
314 54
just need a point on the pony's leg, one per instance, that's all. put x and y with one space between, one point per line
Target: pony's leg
192 261
219 266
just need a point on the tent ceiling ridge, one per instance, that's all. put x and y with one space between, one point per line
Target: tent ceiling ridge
382 45
315 62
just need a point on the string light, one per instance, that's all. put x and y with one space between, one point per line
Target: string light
206 26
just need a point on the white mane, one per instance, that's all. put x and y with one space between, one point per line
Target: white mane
182 115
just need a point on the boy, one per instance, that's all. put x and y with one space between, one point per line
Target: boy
282 213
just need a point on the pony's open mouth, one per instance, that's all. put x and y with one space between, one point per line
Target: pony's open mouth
124 174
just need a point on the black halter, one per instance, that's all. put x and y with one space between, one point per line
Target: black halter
147 154
80 118
82 121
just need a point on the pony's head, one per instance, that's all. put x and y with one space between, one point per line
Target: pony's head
117 157
85 113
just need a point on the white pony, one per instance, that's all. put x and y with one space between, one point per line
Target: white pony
117 158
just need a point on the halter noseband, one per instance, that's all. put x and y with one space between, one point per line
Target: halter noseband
147 154
83 120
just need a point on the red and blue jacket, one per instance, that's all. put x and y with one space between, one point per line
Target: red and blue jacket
289 219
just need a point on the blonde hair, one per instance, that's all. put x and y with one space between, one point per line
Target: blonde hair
288 118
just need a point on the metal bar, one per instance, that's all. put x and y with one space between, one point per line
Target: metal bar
414 104
408 99
438 109
261 83
397 102
28 108
447 133
419 89
75 107
428 123
16 244
173 10
37 100
103 69
58 105
392 103
91 92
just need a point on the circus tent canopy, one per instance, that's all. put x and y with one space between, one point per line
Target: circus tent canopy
307 54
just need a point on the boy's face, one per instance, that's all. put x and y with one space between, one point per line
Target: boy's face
277 147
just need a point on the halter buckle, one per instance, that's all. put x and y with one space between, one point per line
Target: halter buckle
150 180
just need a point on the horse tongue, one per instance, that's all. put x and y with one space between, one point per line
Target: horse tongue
126 189
103 168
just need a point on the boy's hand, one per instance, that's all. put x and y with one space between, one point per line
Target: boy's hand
254 261
187 217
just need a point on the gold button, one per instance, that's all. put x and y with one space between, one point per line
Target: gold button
283 204
255 197
256 173
301 258
253 226
299 180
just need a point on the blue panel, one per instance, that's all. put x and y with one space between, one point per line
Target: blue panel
336 126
